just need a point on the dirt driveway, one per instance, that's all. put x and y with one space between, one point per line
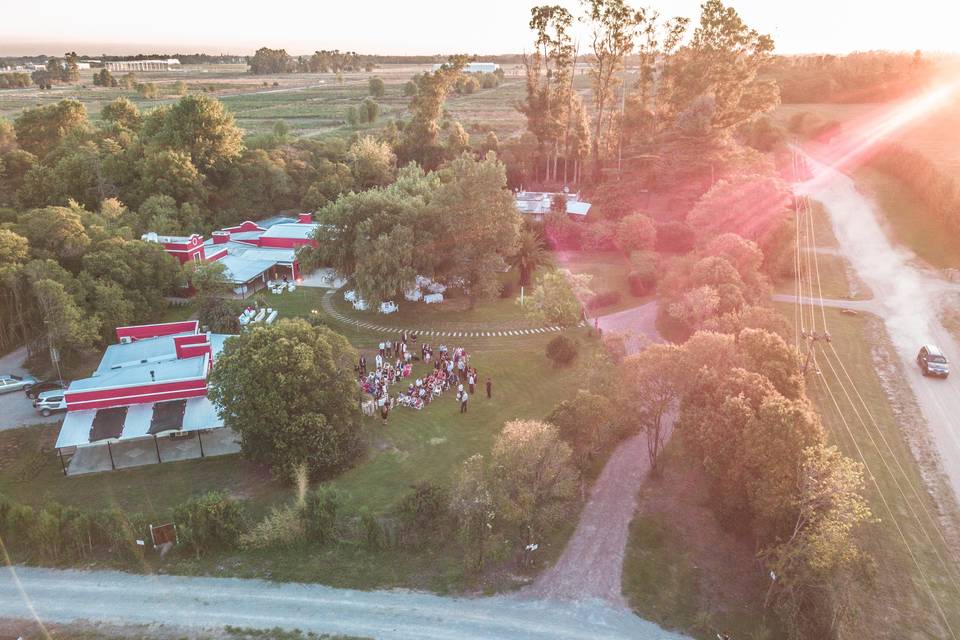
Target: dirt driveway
16 410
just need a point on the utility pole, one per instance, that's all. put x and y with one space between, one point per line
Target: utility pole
812 338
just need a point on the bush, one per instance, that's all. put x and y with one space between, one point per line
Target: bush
422 511
320 514
635 232
220 315
283 527
212 521
603 299
561 351
509 290
675 237
600 236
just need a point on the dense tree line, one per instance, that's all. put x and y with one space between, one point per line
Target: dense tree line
274 61
874 76
14 80
936 189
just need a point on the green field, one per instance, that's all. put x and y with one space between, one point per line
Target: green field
310 104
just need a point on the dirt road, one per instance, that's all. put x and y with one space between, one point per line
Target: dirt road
592 562
195 604
906 297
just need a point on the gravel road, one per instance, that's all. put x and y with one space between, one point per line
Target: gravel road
906 297
195 604
15 409
592 562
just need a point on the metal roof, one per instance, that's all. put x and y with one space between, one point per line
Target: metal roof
239 270
296 230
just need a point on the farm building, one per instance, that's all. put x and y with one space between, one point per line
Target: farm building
143 65
538 203
146 402
252 253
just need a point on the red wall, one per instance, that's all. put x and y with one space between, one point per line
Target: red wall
139 332
125 396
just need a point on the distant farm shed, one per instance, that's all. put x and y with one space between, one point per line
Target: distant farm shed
143 65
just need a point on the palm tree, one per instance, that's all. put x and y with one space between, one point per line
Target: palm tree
529 255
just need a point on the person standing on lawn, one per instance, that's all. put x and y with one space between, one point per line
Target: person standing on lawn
464 396
489 388
471 380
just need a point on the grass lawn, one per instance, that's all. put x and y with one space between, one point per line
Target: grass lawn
414 446
907 221
899 605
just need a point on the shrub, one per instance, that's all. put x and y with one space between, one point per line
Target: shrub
561 351
509 290
603 299
675 237
422 511
212 521
635 232
371 531
220 315
320 514
283 527
600 236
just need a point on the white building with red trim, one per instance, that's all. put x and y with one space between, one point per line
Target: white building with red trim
252 253
146 402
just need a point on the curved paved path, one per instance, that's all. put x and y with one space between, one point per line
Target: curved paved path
867 306
326 303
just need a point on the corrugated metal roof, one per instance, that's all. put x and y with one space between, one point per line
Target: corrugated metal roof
291 230
239 270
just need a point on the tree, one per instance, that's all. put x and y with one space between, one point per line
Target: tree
426 107
472 505
269 61
409 89
201 127
170 173
372 163
586 423
148 90
528 255
458 140
653 382
14 248
121 112
636 232
41 129
288 391
534 479
376 87
129 80
490 143
613 25
473 203
548 82
820 562
557 297
561 351
68 327
59 231
180 88
207 278
723 60
369 110
334 178
104 79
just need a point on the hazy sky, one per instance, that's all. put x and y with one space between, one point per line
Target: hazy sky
432 26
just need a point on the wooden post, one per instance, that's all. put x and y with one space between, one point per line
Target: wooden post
200 438
110 451
62 466
157 446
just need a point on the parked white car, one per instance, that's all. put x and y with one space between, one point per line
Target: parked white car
11 382
50 401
